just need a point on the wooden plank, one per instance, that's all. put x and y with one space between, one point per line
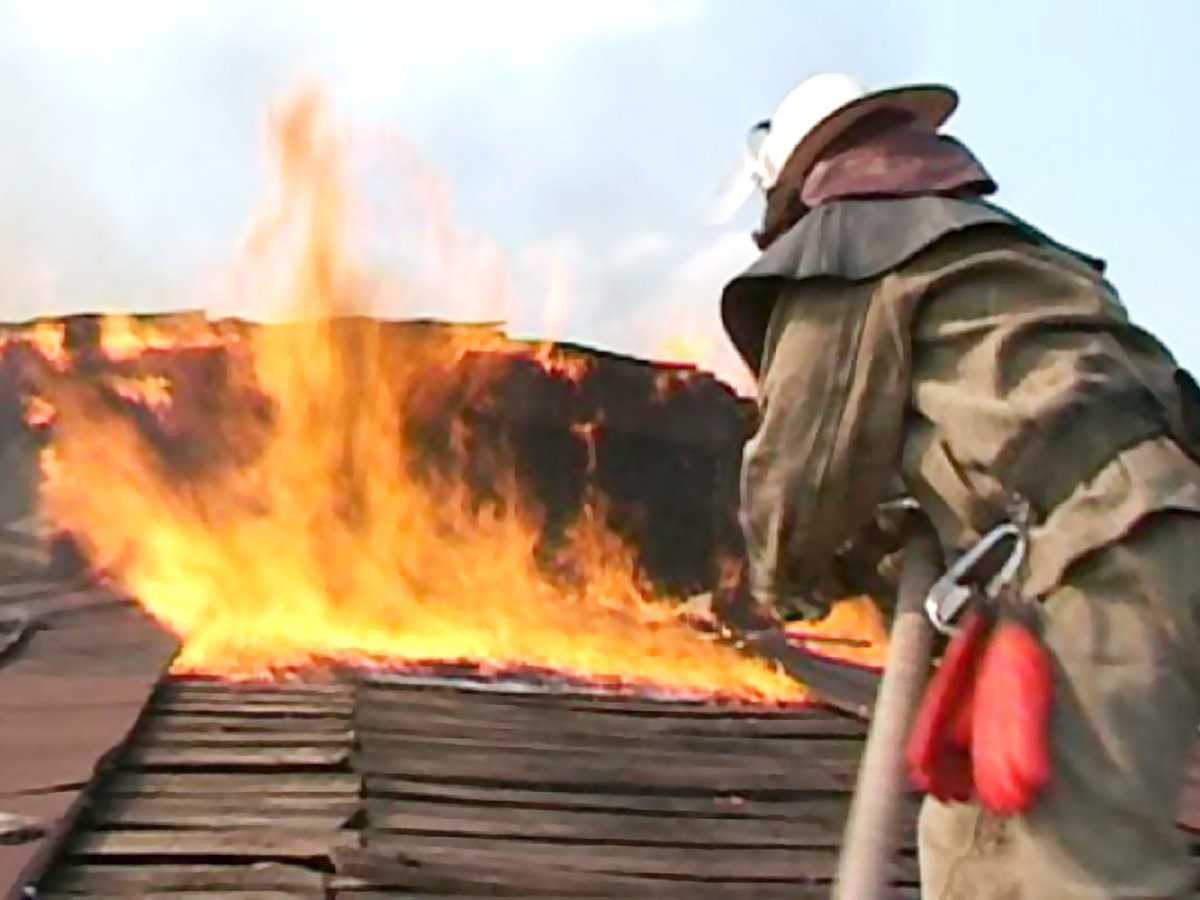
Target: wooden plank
125 809
271 784
216 818
286 805
215 823
334 703
381 718
232 757
492 875
126 880
772 803
169 723
370 694
246 844
741 752
215 707
289 894
818 823
637 768
47 607
245 707
768 864
646 888
21 590
253 699
729 752
177 685
389 716
169 739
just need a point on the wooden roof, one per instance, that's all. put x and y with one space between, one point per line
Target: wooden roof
71 688
376 787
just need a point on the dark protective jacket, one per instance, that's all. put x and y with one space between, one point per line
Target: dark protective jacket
948 342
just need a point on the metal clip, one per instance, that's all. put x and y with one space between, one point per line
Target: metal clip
951 593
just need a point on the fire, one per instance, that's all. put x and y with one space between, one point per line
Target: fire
669 381
854 631
150 391
696 350
49 339
335 542
558 362
123 338
687 347
39 412
493 342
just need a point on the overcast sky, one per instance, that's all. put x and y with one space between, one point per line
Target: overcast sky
583 138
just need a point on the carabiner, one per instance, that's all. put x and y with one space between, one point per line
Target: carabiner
950 594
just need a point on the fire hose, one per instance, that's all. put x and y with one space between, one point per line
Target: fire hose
873 827
977 730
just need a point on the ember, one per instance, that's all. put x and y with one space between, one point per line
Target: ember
335 542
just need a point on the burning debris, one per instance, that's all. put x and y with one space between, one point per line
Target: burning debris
335 489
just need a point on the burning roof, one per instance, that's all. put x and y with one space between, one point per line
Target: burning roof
336 488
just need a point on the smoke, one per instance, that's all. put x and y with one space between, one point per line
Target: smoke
582 140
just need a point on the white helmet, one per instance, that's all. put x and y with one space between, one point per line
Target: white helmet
814 113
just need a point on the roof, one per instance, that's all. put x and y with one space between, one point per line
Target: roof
70 692
121 781
379 785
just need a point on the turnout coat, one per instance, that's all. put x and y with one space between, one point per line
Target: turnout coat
948 342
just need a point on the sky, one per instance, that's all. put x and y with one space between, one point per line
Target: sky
575 142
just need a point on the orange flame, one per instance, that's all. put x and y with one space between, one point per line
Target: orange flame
555 361
39 412
548 356
330 545
151 391
687 347
669 381
49 339
123 338
854 631
694 350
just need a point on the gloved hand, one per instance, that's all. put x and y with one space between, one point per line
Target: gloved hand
734 604
870 562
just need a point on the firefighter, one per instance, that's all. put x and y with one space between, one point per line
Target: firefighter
899 324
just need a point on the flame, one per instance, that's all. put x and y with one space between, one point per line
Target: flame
853 631
124 338
48 339
695 350
668 381
687 347
335 543
557 362
39 412
151 391
493 342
